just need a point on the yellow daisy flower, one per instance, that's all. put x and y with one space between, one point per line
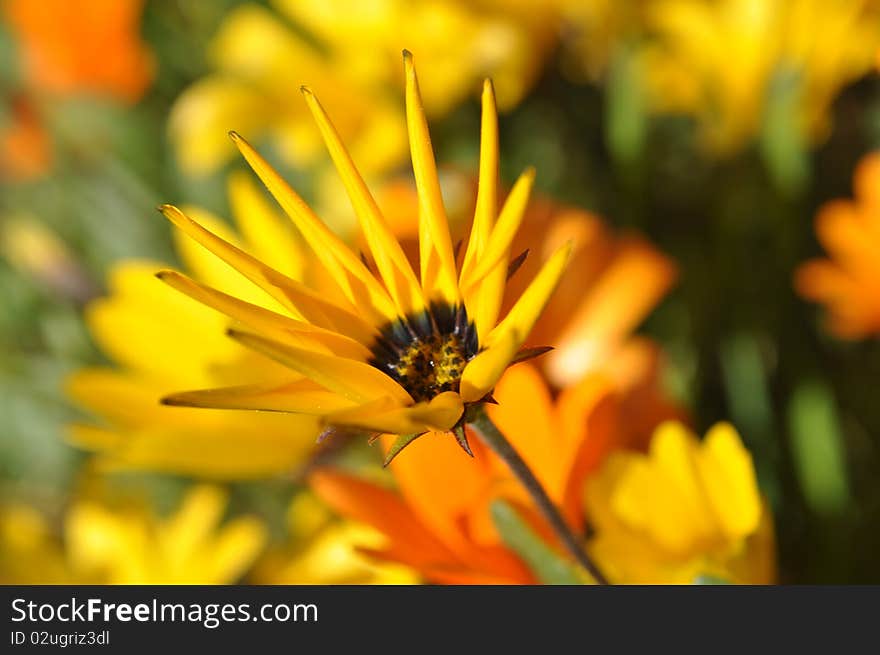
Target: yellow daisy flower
383 352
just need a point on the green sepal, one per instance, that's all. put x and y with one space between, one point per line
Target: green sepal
402 441
461 439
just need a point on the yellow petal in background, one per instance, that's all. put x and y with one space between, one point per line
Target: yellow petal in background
130 545
728 477
202 114
687 508
271 237
193 540
242 445
152 329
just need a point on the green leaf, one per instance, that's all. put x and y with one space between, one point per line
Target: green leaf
544 562
818 449
626 110
706 579
782 143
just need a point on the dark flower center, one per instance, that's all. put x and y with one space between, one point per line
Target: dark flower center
426 353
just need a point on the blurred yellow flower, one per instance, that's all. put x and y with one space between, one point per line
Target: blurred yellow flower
255 56
351 59
161 342
592 32
28 553
718 59
848 281
137 547
326 550
683 510
460 43
131 545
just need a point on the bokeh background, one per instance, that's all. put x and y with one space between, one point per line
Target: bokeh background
716 129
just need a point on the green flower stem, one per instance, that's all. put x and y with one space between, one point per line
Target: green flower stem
490 435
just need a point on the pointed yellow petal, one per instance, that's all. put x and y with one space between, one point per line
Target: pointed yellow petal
497 249
300 396
358 284
357 381
483 371
280 327
531 303
298 298
483 282
483 301
437 257
390 259
440 414
487 190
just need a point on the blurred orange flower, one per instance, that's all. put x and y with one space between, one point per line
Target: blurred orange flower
613 282
88 45
440 524
25 151
848 282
